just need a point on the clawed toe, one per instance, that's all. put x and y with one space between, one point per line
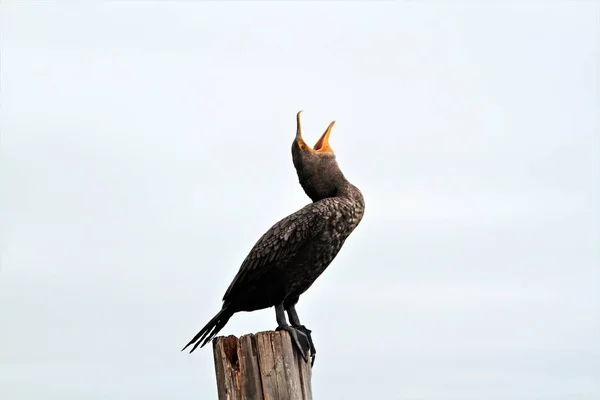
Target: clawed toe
307 333
302 342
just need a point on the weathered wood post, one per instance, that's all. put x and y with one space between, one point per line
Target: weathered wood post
262 366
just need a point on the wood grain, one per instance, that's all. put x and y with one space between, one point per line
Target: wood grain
262 366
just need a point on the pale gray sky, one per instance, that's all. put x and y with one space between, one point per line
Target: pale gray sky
145 146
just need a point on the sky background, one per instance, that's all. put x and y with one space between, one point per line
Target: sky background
145 147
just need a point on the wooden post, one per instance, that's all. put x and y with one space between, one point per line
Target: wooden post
264 366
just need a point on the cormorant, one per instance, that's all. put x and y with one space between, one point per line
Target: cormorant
291 255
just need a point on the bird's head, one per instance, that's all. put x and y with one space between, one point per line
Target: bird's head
317 168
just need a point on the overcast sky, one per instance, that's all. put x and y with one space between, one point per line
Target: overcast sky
145 147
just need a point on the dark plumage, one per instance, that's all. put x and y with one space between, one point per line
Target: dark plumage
291 255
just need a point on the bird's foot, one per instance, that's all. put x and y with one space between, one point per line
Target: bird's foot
307 332
299 339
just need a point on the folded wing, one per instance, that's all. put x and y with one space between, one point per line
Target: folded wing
280 243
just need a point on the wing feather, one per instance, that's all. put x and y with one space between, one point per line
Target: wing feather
280 243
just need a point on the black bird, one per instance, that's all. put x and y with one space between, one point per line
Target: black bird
291 255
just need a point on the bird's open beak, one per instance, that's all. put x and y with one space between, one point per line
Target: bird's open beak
322 145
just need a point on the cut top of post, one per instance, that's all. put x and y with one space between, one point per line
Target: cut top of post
261 366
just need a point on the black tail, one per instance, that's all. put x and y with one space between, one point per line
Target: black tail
210 330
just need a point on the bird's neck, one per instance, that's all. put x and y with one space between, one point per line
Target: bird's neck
343 189
348 191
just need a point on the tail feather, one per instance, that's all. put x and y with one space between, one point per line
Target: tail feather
210 330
